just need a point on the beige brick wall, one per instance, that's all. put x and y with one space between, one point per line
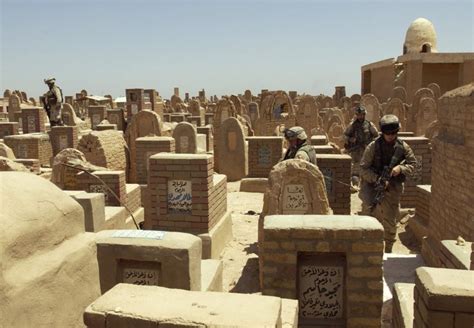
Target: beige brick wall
452 194
8 129
337 172
97 114
63 137
147 146
422 149
115 180
360 244
35 146
208 191
263 154
422 203
35 115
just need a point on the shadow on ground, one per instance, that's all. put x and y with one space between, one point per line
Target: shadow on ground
248 281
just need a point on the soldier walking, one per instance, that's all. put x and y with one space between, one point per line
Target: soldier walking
383 168
359 133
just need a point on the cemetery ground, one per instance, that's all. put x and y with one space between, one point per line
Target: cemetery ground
240 257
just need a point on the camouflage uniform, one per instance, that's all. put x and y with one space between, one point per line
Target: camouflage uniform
305 152
54 98
364 132
377 155
302 150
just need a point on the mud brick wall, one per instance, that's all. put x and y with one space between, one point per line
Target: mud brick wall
319 140
8 129
63 137
263 154
422 149
207 130
33 145
443 298
115 180
33 120
337 177
199 214
357 240
452 210
97 114
147 146
115 116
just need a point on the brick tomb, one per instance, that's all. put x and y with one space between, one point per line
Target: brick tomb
31 146
186 196
331 264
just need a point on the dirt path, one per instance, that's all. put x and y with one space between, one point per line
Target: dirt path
240 257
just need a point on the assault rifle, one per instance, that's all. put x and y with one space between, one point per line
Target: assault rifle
381 183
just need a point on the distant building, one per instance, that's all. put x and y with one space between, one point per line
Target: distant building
420 65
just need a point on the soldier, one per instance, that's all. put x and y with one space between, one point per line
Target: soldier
53 102
298 148
389 156
359 133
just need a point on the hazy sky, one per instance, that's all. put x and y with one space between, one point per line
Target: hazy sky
223 46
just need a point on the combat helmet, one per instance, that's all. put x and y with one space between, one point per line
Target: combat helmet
360 110
389 124
296 132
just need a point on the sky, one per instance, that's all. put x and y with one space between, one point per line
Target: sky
225 47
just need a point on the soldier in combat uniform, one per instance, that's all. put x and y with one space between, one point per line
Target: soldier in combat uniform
53 102
393 157
359 133
298 147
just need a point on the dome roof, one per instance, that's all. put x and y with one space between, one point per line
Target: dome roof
420 37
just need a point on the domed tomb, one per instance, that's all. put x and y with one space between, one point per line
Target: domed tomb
420 37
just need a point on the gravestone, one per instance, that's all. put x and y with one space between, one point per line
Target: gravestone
307 113
396 107
185 138
116 116
196 110
175 103
232 150
331 263
146 147
252 109
413 112
355 98
97 114
239 108
372 106
248 95
14 109
263 154
68 116
145 123
63 137
336 134
400 93
436 90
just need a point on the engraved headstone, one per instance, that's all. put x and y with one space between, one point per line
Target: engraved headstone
179 196
295 200
264 155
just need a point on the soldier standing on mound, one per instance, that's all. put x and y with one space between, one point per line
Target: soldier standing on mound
53 102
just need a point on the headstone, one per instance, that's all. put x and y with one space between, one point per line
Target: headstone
14 109
63 137
145 123
97 114
372 106
232 150
185 138
69 116
8 129
105 148
263 154
396 107
436 90
307 113
252 110
331 263
146 147
400 93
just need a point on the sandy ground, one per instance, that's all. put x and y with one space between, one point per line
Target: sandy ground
240 257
